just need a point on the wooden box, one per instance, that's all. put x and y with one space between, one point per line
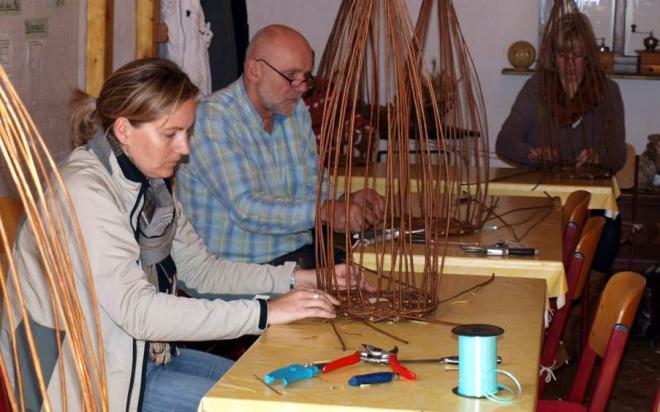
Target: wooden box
649 63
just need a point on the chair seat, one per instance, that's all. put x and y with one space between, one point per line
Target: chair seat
559 406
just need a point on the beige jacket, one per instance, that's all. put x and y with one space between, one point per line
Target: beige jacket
131 310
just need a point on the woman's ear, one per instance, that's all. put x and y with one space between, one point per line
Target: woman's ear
122 130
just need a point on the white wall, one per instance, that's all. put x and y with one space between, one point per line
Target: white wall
489 27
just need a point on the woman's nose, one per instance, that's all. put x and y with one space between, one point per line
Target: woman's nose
183 144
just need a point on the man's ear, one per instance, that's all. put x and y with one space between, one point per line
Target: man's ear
251 69
122 130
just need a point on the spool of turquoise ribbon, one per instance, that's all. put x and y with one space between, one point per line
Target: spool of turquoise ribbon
477 365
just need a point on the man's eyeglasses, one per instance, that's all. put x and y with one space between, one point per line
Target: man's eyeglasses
308 81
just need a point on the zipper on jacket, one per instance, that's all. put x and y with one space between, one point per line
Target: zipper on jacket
143 380
132 380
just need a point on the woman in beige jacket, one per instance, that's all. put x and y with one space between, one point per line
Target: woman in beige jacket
141 250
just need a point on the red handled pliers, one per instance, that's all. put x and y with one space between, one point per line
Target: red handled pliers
372 354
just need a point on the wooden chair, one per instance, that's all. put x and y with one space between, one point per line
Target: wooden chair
576 275
11 212
573 215
594 224
607 340
656 401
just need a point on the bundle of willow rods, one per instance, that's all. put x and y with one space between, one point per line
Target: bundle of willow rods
373 73
463 113
556 109
37 183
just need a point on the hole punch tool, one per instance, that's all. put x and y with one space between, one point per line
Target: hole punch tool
447 360
500 249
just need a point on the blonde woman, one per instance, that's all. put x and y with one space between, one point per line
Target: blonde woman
142 249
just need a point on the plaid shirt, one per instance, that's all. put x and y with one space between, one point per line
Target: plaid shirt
250 194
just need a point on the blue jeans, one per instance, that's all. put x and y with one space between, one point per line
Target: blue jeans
180 384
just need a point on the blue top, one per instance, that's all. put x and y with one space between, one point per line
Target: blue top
250 194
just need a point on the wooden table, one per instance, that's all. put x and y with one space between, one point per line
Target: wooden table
536 221
515 304
507 182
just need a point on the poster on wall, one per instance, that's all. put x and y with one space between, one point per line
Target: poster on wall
40 49
10 7
5 56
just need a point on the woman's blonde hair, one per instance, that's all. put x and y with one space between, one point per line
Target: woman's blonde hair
574 29
141 91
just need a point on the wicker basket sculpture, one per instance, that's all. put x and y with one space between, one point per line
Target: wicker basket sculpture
463 113
574 95
35 179
376 86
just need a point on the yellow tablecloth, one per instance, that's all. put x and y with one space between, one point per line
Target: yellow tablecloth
507 182
535 221
515 304
604 192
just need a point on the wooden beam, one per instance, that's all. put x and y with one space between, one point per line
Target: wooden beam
147 17
99 44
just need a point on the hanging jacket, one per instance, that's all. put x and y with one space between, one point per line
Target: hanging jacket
189 36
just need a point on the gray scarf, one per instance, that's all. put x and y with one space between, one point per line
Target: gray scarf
154 232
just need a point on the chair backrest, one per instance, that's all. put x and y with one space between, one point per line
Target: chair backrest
11 211
573 201
587 248
573 214
617 305
607 339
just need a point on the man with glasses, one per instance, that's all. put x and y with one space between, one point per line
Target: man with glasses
250 185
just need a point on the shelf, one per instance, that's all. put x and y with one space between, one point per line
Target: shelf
513 72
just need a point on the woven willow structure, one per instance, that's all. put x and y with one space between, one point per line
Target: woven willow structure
463 113
569 31
375 85
35 178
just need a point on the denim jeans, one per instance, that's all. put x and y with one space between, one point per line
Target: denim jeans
180 384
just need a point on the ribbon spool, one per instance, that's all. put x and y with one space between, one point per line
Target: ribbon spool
477 363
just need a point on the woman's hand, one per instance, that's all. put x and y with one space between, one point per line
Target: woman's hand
301 303
537 154
307 279
587 157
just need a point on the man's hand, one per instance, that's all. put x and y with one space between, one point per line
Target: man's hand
346 280
372 203
587 157
365 208
301 303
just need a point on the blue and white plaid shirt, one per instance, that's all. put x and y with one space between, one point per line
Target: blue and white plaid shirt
250 194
